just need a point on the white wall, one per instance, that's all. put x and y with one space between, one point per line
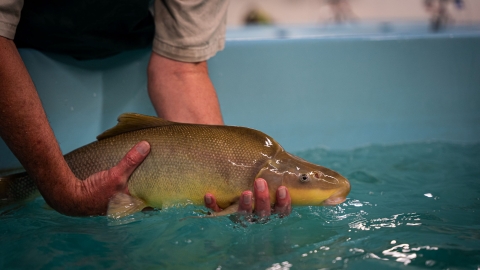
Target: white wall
318 11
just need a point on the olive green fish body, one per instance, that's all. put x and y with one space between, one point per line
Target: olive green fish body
185 162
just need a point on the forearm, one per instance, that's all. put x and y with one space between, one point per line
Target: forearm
182 92
25 128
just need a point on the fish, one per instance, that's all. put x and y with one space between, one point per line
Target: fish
186 161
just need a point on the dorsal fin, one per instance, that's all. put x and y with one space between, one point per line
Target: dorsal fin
131 122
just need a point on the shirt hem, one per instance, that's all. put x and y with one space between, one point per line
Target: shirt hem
190 54
7 30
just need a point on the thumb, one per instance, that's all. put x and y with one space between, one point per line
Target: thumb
135 156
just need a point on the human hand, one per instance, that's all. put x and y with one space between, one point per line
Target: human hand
91 196
261 197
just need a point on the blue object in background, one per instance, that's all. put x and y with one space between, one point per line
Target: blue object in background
335 86
350 90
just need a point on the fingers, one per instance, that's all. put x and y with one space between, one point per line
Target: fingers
211 202
130 162
283 205
95 192
246 203
262 201
262 198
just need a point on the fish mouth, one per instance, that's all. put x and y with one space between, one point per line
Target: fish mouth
334 201
338 197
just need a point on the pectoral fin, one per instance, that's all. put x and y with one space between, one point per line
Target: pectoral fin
227 211
122 205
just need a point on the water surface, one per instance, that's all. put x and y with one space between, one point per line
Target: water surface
411 206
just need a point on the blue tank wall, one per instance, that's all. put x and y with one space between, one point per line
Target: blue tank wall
339 88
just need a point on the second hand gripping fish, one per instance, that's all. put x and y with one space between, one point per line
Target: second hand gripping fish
187 161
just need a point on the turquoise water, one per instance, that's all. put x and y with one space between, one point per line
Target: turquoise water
411 206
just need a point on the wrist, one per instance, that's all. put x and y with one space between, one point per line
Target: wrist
183 92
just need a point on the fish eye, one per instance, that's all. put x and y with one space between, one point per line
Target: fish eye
304 178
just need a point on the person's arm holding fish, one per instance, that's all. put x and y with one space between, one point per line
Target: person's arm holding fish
179 75
178 82
26 131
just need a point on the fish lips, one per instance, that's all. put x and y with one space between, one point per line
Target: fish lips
338 197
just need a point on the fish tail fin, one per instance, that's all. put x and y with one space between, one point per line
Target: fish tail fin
16 187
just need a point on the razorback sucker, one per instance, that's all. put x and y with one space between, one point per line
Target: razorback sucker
186 161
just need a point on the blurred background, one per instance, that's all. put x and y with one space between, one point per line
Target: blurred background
335 73
438 13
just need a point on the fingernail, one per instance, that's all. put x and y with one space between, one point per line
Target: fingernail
247 198
208 200
260 185
142 148
282 193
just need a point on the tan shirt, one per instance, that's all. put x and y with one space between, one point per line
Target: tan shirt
188 31
9 17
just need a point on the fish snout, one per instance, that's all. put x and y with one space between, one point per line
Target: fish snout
339 196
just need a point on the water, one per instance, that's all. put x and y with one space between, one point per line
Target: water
411 206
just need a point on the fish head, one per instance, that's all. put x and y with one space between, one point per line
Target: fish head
307 183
